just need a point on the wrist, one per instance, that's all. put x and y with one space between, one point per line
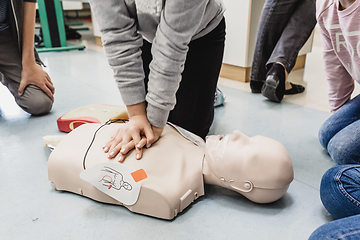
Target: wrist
28 62
138 109
157 116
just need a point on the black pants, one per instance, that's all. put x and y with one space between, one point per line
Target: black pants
194 109
285 26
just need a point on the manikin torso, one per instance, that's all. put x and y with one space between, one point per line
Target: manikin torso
173 170
173 166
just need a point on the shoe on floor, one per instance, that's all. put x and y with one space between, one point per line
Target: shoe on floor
295 89
256 86
274 86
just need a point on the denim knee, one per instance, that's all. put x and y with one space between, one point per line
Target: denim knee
346 229
340 190
323 136
344 149
329 189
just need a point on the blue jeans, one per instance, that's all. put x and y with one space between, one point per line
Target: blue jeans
285 26
344 229
340 134
340 195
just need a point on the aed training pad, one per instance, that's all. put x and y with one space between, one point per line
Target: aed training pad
94 113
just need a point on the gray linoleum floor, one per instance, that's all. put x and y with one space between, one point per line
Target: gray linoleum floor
31 209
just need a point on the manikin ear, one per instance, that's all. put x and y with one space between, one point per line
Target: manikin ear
241 186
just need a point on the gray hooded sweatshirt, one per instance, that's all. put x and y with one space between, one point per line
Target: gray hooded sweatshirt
169 25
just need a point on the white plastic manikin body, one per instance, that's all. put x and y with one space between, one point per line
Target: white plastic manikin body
173 181
173 170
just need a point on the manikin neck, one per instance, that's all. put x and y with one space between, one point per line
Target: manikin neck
209 175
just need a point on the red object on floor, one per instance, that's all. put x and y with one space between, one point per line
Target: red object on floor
67 125
94 113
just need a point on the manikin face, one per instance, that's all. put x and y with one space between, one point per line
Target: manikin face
246 164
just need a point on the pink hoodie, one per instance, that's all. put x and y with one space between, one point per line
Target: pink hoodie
340 32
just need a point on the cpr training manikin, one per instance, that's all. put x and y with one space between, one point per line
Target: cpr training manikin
172 172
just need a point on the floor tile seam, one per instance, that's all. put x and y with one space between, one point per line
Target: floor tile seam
306 184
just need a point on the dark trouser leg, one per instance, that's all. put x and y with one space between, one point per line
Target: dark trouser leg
34 100
295 34
274 18
194 109
146 58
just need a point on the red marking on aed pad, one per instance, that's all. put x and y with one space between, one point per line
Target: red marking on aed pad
139 175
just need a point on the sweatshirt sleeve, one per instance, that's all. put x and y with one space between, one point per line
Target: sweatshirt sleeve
340 82
121 43
178 24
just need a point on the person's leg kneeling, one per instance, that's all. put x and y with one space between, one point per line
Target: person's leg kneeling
347 228
340 190
347 115
330 128
34 101
324 136
344 147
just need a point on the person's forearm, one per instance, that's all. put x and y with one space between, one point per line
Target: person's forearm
28 34
136 109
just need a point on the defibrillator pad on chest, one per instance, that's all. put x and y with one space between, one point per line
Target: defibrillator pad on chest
116 180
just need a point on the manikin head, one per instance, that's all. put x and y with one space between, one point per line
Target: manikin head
259 168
